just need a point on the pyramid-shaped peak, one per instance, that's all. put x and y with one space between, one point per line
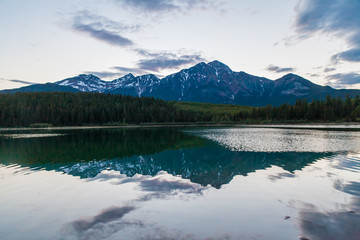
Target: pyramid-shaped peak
219 66
291 75
129 75
198 67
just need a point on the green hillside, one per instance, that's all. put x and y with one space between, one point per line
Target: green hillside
214 112
209 108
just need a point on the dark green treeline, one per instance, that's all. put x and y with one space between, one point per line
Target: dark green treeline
70 109
330 110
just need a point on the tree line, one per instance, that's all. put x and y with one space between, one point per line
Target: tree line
329 110
76 109
70 109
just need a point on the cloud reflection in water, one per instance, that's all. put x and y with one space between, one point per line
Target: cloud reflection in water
110 221
342 222
331 225
106 223
161 186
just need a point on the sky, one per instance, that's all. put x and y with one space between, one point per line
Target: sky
49 40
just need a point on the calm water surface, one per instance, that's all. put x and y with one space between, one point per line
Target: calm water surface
197 183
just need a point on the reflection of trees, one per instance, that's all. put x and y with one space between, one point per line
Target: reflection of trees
86 145
144 151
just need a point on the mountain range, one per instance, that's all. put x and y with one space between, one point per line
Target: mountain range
212 82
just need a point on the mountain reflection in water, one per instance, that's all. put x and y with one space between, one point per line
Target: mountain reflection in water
147 152
203 183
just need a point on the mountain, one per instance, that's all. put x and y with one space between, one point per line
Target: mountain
135 86
85 83
212 82
47 87
128 84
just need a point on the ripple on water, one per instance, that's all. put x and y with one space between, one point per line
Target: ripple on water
30 135
348 162
283 140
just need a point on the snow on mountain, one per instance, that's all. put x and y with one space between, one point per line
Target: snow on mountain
212 82
134 86
85 83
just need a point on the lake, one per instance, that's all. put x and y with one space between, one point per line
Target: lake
286 182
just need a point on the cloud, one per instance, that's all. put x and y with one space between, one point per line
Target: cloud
102 28
117 72
156 61
104 74
98 21
339 18
106 30
126 70
329 69
161 6
152 62
352 55
164 62
103 35
151 5
277 69
17 81
343 79
313 74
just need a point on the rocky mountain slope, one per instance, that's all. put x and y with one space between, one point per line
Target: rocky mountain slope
212 82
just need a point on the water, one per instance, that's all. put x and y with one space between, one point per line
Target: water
195 183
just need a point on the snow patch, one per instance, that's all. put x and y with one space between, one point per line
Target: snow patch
64 83
186 75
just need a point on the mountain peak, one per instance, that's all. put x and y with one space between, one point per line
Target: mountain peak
200 64
129 75
88 76
149 75
148 78
290 75
219 66
84 83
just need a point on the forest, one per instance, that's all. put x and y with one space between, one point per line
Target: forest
330 110
89 109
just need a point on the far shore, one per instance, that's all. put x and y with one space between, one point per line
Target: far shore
342 125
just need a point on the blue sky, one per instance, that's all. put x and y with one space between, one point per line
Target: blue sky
49 40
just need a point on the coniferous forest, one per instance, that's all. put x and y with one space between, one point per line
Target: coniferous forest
70 109
78 109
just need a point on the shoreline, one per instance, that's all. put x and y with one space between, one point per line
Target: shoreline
122 126
347 125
